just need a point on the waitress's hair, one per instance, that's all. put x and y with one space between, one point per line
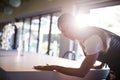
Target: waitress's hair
64 18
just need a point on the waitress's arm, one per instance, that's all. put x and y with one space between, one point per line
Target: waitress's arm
84 68
79 72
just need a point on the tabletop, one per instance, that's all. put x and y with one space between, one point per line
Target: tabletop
26 62
20 67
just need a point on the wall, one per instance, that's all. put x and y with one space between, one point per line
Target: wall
34 6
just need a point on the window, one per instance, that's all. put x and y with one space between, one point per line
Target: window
33 32
44 33
39 34
55 37
26 34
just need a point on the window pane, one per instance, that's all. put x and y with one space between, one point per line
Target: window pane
19 36
26 34
44 31
34 34
55 37
107 18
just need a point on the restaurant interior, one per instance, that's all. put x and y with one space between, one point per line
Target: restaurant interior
29 36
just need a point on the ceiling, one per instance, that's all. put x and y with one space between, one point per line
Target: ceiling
90 4
7 6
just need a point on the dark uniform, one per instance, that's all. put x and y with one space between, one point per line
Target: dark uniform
112 56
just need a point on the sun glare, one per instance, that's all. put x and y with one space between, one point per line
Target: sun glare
107 18
83 20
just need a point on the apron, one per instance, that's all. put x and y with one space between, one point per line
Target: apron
112 56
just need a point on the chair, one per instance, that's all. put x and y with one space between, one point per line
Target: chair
69 55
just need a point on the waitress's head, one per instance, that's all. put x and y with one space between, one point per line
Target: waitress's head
67 25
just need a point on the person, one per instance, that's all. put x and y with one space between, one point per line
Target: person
97 44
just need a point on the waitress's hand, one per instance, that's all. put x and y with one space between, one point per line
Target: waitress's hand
47 67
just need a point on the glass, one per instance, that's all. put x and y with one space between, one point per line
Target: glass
26 34
19 36
34 34
107 18
55 36
44 31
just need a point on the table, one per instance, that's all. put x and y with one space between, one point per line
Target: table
17 67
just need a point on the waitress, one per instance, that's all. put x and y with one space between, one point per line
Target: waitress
97 44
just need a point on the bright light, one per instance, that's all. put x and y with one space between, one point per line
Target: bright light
107 18
83 20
